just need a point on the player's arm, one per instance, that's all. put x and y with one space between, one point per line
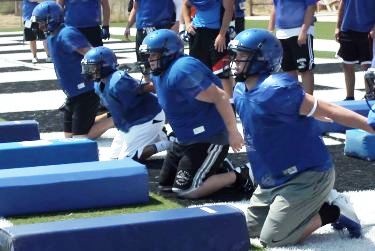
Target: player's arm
106 12
220 41
307 22
271 22
186 15
83 51
331 112
340 14
131 19
218 97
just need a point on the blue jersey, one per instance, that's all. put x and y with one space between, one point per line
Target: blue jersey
192 120
63 48
358 15
280 142
83 13
239 10
291 13
151 13
121 96
27 9
209 15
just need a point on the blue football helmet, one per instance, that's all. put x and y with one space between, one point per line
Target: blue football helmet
163 41
49 14
98 63
265 52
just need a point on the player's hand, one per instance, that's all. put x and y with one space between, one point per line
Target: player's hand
220 43
191 29
127 33
337 34
302 38
105 32
236 141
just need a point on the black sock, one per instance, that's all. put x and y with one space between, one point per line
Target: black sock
329 213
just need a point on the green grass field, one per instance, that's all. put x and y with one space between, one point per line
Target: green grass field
156 203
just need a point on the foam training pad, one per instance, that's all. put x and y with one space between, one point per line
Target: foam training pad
14 131
219 228
358 106
360 144
72 186
47 152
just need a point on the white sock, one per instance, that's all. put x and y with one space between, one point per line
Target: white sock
162 145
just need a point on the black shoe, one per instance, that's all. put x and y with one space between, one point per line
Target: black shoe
227 166
245 179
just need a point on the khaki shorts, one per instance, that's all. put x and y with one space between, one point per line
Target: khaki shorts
280 215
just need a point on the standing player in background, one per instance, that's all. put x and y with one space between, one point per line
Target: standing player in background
294 21
208 35
28 33
86 15
290 162
67 46
355 24
150 15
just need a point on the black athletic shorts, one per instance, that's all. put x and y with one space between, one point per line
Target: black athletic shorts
80 112
295 57
29 35
186 167
202 47
93 35
355 47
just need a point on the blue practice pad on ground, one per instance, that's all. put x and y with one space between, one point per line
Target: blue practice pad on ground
47 152
358 106
72 186
220 228
14 131
360 144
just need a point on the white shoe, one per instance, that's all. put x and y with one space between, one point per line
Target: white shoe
348 218
34 60
48 60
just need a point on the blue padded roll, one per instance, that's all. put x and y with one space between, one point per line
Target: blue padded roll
14 131
360 144
47 152
219 228
358 106
72 186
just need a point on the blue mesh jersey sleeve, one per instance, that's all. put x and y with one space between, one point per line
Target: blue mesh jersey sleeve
282 97
190 77
73 39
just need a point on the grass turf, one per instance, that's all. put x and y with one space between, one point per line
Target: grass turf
156 203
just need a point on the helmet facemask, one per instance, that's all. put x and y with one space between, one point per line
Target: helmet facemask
247 57
91 71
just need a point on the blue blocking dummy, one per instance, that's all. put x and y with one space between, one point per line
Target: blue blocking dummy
360 144
74 186
14 131
47 152
219 228
358 106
